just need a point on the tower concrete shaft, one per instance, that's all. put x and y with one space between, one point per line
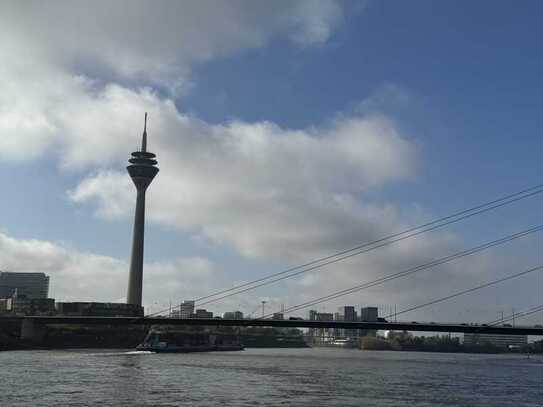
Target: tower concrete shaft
142 170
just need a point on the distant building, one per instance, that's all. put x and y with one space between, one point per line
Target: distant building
22 305
203 314
33 306
233 315
30 285
369 314
99 309
278 316
186 309
312 317
4 305
501 341
337 332
347 313
324 316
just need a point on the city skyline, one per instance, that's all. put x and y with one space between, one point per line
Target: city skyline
285 140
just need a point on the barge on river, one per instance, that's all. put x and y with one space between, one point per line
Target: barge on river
183 342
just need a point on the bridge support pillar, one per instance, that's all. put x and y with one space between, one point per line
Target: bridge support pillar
32 331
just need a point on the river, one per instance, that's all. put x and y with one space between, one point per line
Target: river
268 377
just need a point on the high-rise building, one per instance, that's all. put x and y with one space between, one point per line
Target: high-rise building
347 313
30 285
369 314
186 309
142 170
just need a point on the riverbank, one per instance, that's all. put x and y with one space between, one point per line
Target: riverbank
104 336
441 344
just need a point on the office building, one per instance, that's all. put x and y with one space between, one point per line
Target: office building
30 285
186 310
312 317
233 315
4 305
98 309
324 316
347 313
21 305
369 314
203 314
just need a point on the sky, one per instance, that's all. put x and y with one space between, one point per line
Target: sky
285 131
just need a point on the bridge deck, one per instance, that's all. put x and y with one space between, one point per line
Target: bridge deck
387 326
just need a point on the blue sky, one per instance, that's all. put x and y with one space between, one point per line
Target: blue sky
454 85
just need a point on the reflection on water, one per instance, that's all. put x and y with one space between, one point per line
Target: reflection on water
269 377
129 379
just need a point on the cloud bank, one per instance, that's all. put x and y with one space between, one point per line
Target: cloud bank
80 276
76 80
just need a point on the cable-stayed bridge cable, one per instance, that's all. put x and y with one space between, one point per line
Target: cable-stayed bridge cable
467 291
340 258
373 245
435 224
413 270
521 314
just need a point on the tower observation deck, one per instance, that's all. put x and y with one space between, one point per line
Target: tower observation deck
142 170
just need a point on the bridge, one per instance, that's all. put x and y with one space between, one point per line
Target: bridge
297 323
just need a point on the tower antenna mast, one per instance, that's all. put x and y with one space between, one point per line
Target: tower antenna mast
142 170
144 137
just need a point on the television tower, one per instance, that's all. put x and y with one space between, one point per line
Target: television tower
142 170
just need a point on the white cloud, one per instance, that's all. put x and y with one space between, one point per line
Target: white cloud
253 186
257 187
66 56
316 21
281 195
157 41
77 76
80 276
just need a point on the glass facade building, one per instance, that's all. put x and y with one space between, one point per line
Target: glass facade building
30 285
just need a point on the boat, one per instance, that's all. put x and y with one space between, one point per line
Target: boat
344 343
183 342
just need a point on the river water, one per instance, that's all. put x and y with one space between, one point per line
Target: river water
268 377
